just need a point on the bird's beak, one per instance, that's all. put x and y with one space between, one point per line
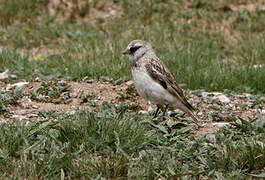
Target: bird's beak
126 51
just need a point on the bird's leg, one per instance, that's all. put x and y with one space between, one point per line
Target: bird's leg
165 110
158 107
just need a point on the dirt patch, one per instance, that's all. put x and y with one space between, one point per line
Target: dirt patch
207 128
82 11
102 91
209 107
252 6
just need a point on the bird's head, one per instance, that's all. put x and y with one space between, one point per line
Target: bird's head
136 49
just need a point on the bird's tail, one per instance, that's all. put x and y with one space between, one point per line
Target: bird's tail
194 117
191 113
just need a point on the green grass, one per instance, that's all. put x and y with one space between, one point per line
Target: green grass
21 10
8 98
106 144
205 44
188 39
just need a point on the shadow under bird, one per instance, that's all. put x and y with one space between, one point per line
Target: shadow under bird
153 81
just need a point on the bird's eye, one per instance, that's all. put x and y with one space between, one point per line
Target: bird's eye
133 49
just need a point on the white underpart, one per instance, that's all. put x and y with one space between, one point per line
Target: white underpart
150 89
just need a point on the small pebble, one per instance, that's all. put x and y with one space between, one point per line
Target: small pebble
20 112
211 138
19 117
220 124
2 121
62 83
142 112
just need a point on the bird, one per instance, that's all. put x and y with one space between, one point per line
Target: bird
153 81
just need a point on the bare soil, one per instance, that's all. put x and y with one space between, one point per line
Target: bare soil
245 106
83 11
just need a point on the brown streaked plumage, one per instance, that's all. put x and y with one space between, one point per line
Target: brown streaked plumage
164 77
153 80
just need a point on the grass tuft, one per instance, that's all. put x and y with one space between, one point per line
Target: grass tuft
215 46
203 45
104 144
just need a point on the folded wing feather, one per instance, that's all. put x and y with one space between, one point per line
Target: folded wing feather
159 73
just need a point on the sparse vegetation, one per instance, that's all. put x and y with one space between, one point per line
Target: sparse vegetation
89 99
8 98
104 144
208 45
53 91
211 46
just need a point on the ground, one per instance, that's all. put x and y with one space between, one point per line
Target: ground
69 110
212 111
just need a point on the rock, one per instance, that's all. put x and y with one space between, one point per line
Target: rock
62 83
200 113
203 125
112 12
128 83
220 124
73 95
2 121
17 85
90 80
19 117
71 112
211 138
247 94
4 75
143 112
84 79
222 98
205 94
1 49
13 76
25 105
19 112
32 115
35 106
37 79
216 93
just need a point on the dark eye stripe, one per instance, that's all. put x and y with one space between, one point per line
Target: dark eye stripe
133 49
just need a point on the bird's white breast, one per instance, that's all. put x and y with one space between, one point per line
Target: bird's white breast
150 89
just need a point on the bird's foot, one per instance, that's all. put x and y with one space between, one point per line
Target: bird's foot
160 118
197 124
